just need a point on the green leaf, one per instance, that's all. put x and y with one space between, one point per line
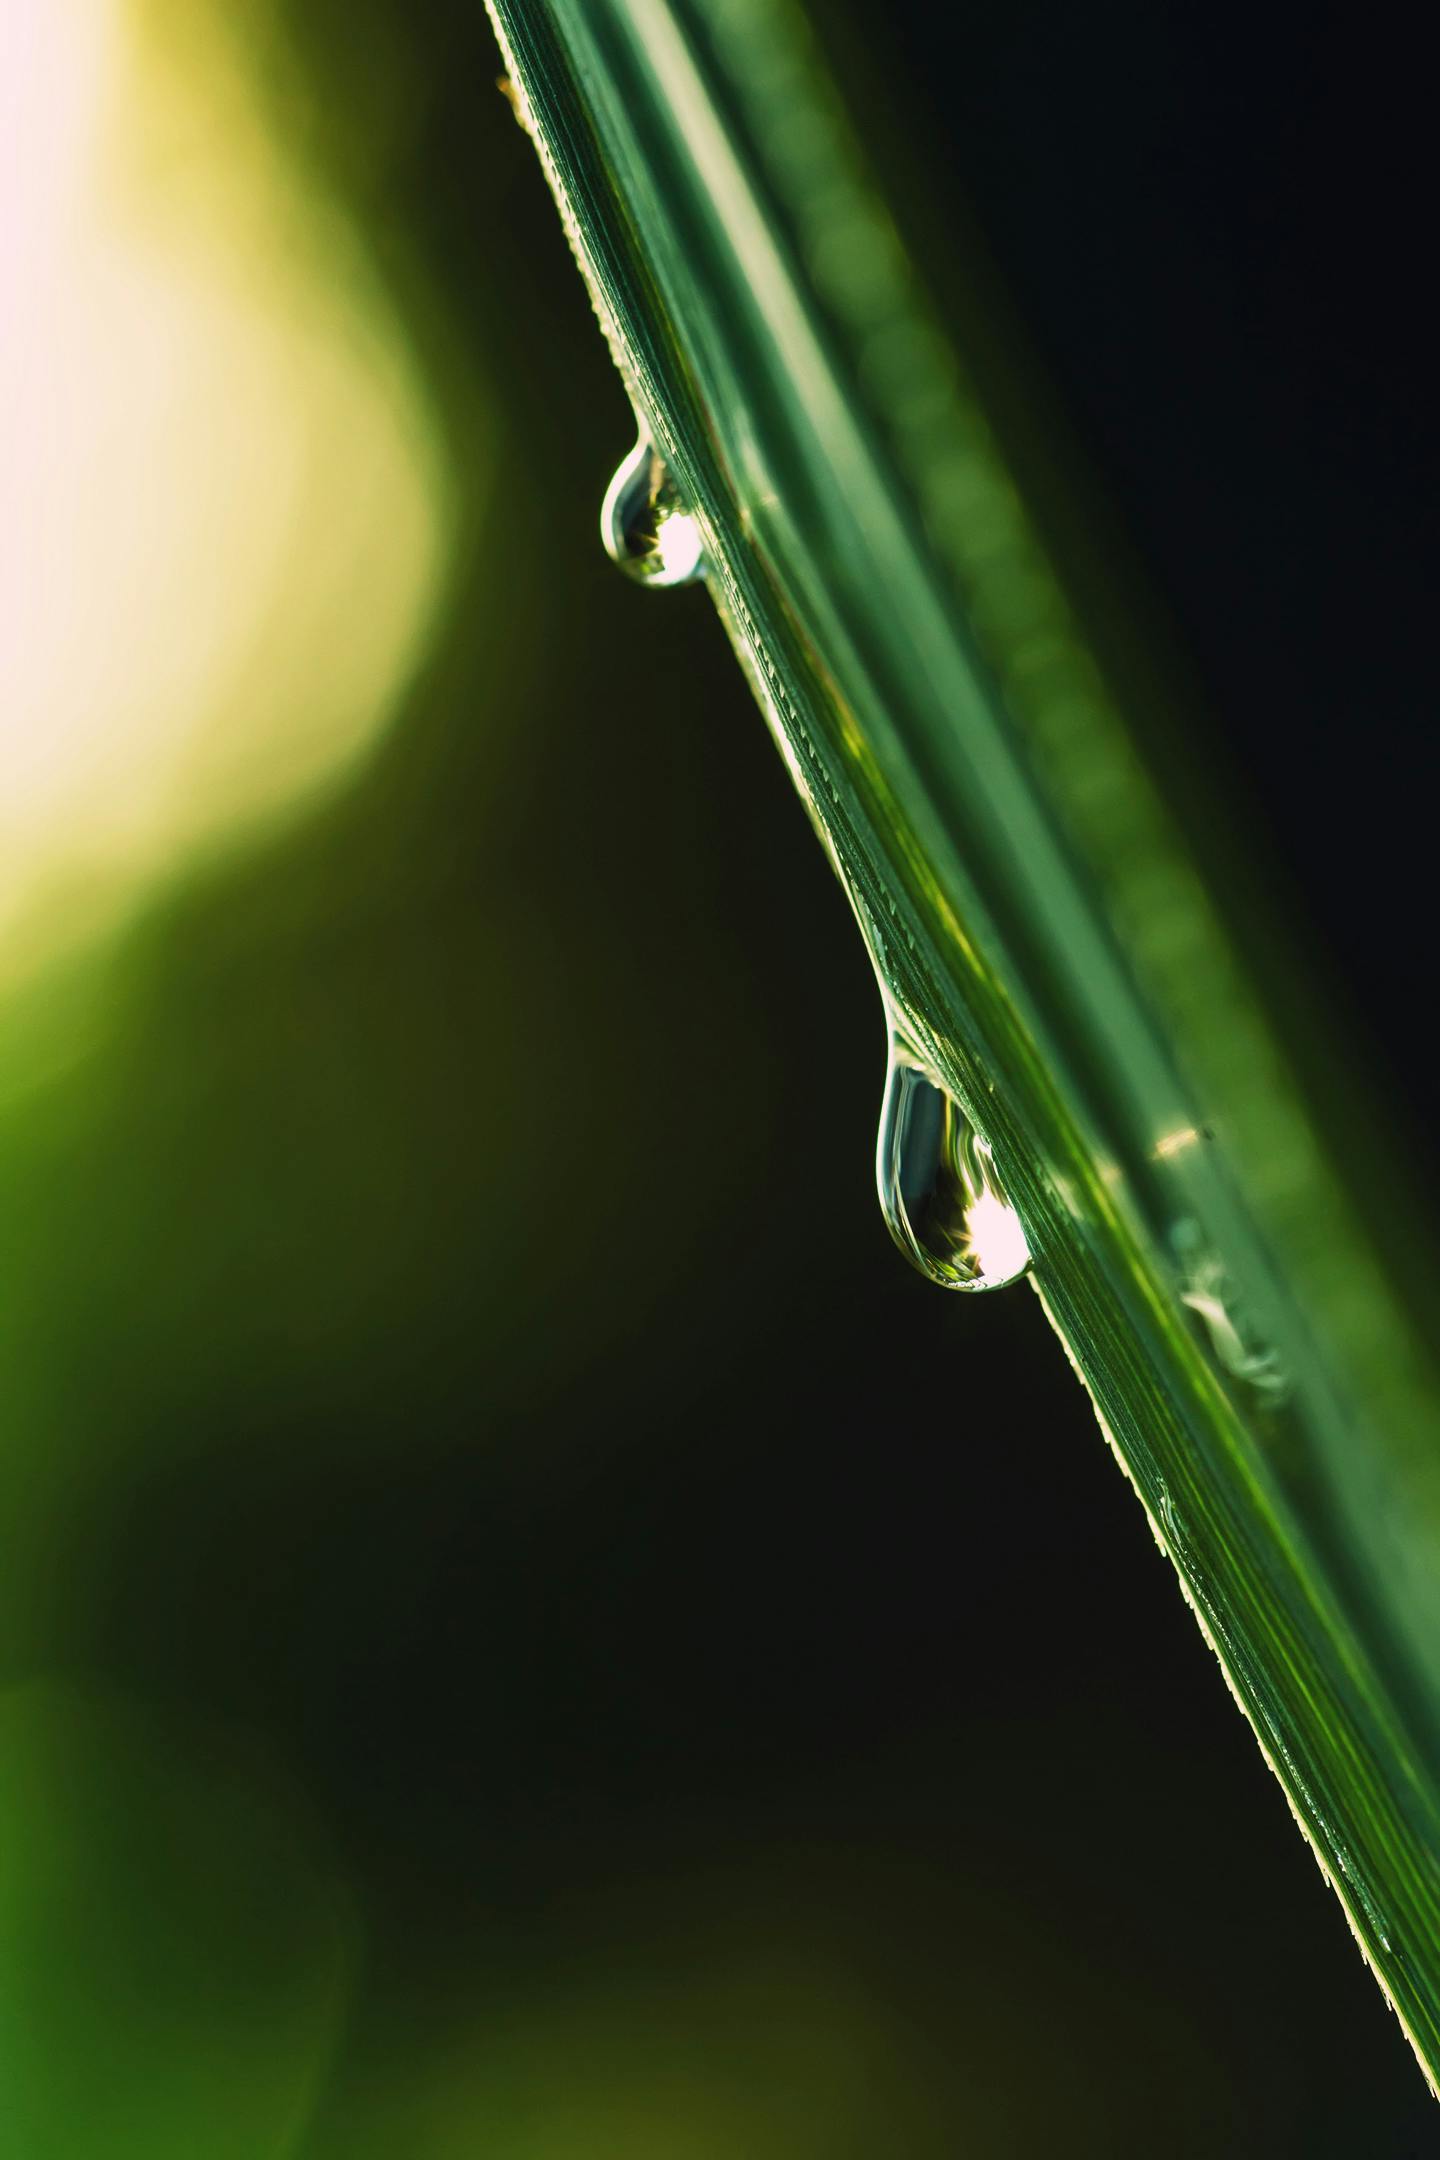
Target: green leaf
1036 920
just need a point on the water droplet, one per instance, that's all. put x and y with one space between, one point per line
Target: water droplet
1174 1535
646 528
939 1189
1205 1287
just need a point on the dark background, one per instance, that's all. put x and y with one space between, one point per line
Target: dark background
726 1697
1206 230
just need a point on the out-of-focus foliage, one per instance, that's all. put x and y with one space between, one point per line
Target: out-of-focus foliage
176 1957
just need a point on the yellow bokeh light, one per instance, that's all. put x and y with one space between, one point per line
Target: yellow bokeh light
225 505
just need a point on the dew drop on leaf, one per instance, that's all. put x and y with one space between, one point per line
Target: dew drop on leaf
939 1189
645 526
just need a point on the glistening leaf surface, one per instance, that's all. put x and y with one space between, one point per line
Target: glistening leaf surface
1037 923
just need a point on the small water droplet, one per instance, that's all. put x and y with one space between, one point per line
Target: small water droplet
1174 1535
1205 1287
645 527
939 1189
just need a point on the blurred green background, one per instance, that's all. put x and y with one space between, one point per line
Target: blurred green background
526 1631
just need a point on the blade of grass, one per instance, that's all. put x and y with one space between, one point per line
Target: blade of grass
1030 908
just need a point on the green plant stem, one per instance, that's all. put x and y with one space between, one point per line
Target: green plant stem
1030 909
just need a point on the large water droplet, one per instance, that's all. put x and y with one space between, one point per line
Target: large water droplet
939 1189
646 528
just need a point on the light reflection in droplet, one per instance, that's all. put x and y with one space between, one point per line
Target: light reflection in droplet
939 1190
645 527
